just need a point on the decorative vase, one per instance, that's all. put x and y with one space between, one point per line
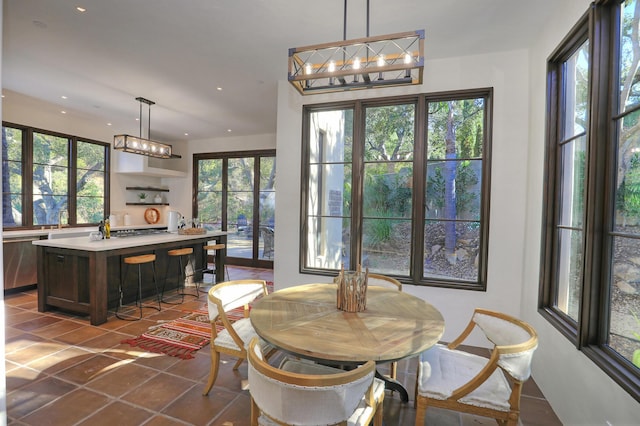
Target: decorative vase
352 290
157 199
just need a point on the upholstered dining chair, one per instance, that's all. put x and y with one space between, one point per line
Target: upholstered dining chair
491 387
233 339
305 393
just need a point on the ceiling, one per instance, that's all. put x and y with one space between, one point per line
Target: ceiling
179 54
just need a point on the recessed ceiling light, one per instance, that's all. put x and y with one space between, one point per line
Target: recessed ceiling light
137 119
81 9
108 124
219 89
64 112
63 97
229 130
186 134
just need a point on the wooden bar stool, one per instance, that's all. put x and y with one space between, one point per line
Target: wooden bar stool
180 253
137 260
214 248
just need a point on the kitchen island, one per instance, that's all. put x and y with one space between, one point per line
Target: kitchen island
82 276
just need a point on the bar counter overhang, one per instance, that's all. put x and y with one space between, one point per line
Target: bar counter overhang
82 276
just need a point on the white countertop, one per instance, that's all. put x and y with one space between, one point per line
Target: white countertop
8 233
83 243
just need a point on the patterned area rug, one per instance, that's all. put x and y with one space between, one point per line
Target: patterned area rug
183 336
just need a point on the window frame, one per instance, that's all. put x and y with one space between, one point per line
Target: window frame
257 155
421 101
590 333
27 175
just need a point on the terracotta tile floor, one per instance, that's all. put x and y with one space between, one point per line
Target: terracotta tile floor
63 371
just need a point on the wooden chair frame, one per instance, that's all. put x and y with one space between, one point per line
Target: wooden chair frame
314 381
391 281
222 317
509 417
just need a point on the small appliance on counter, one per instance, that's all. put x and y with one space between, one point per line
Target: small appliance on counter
173 219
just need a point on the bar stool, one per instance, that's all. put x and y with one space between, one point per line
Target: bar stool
214 248
180 253
137 260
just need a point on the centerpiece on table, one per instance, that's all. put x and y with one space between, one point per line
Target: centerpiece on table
352 290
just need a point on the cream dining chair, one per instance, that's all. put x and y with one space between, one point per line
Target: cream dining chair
490 387
234 337
303 393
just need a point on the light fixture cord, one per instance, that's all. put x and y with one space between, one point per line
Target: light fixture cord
149 124
344 27
367 18
140 120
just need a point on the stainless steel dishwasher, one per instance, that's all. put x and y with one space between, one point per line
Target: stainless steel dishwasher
20 261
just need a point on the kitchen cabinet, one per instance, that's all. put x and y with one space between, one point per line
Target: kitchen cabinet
19 261
135 164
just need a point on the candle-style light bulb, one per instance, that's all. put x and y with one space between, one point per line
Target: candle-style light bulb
356 67
407 61
307 71
332 68
380 62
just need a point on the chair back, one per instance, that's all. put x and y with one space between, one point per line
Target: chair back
306 399
514 340
384 281
229 295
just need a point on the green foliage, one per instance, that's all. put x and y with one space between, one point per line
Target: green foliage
466 199
467 125
628 196
377 232
636 353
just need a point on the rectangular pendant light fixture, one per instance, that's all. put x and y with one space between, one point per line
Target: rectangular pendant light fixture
381 61
140 145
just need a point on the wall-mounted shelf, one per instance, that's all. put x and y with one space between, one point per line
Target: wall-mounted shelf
147 189
147 204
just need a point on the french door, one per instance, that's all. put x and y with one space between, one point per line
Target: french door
235 192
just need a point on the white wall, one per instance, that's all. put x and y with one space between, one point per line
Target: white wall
507 73
579 392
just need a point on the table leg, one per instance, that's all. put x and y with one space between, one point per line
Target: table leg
393 385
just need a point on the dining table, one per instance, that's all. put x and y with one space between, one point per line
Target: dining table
305 321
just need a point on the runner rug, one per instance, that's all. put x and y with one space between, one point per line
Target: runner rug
183 336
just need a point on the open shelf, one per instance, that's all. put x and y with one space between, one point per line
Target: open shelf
147 188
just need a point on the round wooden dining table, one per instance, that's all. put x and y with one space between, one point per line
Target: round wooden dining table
304 320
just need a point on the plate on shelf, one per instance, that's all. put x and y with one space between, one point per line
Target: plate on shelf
152 215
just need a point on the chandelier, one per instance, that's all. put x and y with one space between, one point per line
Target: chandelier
139 145
381 61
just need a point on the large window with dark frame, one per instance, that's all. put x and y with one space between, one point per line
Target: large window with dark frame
51 178
399 186
590 275
235 192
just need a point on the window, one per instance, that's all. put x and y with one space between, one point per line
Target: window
399 186
68 178
590 277
236 192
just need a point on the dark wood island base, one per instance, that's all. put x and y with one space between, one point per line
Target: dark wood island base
82 276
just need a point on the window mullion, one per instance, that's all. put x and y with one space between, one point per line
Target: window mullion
357 174
419 184
593 319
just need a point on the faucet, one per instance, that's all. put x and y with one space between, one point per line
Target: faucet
60 214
